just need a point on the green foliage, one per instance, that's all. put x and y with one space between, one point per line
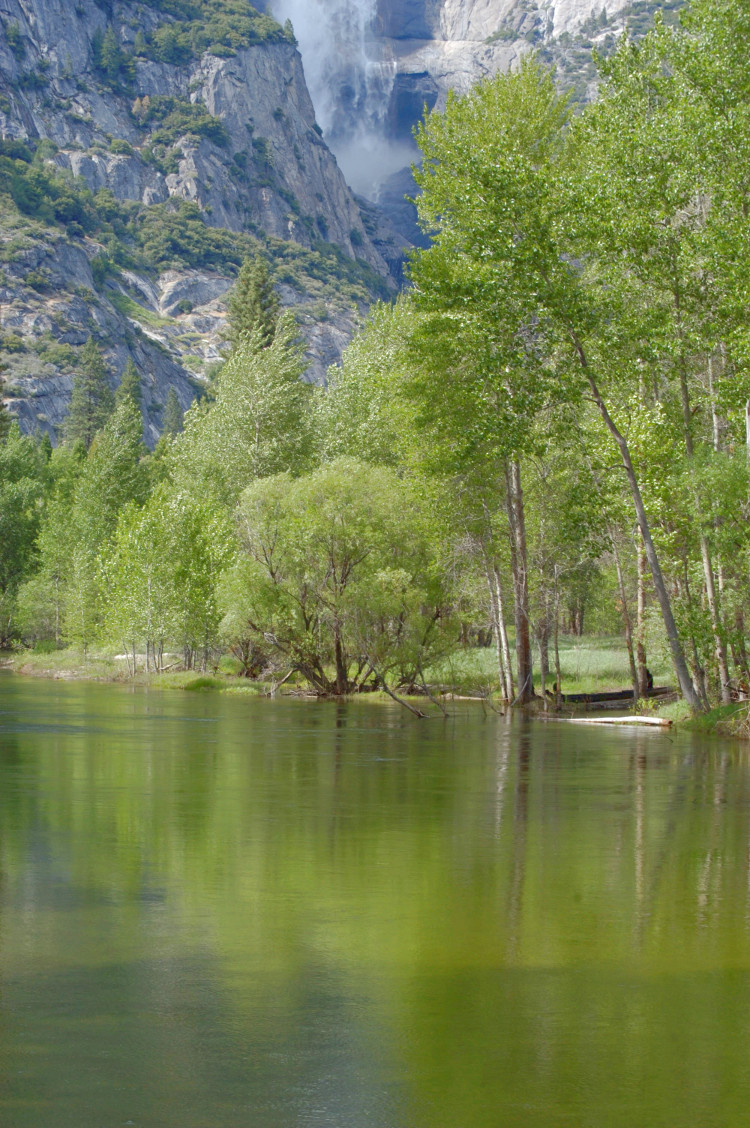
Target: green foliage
15 40
253 307
21 490
91 401
176 235
113 65
257 425
43 599
173 416
161 572
113 476
130 386
358 414
219 26
5 419
47 194
177 117
336 572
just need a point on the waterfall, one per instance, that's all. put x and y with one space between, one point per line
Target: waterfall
351 81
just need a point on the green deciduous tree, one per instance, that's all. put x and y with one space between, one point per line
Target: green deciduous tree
160 576
259 423
21 491
336 574
113 476
511 312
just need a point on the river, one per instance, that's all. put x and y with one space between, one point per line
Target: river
219 912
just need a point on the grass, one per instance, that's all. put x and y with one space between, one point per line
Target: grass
129 308
724 720
588 665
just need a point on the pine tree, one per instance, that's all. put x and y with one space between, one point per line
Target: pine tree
45 447
130 386
110 55
4 416
97 39
173 415
253 307
91 402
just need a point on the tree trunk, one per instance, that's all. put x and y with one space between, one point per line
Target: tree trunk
627 625
678 657
640 645
740 648
558 671
542 636
507 660
498 627
708 573
519 567
342 685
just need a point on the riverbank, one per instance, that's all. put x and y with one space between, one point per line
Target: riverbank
589 666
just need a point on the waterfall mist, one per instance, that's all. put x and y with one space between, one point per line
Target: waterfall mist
351 83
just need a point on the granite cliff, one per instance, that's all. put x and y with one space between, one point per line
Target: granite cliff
143 154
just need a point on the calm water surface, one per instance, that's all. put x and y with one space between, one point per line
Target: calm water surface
219 913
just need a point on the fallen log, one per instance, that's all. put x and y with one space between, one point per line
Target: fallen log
657 722
601 698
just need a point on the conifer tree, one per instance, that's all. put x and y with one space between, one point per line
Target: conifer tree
173 415
130 386
110 54
91 402
4 415
253 306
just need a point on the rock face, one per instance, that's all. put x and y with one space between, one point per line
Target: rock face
373 65
258 94
230 131
450 44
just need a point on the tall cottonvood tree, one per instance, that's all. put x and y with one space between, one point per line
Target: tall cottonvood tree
511 317
160 575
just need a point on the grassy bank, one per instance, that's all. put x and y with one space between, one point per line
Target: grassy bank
588 665
69 665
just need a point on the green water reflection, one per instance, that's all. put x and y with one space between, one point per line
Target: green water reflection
217 912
